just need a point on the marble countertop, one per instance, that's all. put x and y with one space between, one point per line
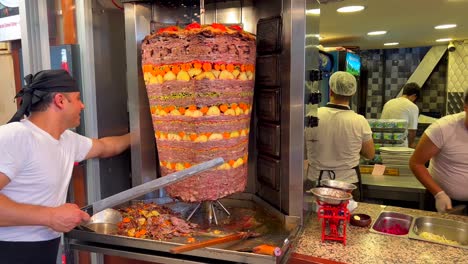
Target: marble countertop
363 246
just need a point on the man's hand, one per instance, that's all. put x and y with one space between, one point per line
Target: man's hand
443 202
65 217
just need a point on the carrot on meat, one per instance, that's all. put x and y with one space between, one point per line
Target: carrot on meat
175 69
147 68
217 67
231 162
226 135
182 110
233 106
223 67
204 109
193 137
173 165
187 165
230 67
207 66
182 134
192 107
223 108
126 220
197 65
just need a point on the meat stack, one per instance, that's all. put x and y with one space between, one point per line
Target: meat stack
200 84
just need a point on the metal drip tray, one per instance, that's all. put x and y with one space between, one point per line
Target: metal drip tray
246 215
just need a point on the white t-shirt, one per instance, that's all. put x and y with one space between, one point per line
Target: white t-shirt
402 108
449 168
336 143
39 168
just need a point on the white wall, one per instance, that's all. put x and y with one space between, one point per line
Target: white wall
7 87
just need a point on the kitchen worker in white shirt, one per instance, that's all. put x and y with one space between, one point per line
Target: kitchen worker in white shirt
445 143
37 156
404 107
335 145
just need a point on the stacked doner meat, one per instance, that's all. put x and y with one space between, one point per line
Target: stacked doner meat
152 221
200 84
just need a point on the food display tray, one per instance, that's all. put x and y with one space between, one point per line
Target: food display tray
244 208
450 229
387 219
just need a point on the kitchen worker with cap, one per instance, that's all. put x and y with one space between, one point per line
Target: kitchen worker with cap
445 144
335 145
37 157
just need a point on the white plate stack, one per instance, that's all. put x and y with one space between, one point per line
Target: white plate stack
397 157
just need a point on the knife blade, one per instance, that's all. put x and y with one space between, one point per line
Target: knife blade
153 185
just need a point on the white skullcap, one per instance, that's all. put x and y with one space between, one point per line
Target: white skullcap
343 83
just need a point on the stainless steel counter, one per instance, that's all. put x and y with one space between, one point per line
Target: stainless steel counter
403 188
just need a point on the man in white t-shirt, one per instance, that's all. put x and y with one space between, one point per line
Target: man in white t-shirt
37 157
404 107
334 147
445 143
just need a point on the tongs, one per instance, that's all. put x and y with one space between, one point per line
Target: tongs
103 212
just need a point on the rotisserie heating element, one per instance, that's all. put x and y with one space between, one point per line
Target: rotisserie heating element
200 84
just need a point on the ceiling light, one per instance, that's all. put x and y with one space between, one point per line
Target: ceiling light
349 9
315 11
375 33
391 44
445 26
443 39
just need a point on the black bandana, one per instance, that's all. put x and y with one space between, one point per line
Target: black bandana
41 84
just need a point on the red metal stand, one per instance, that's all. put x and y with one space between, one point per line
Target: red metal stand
335 217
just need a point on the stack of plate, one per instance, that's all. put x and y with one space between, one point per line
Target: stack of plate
397 157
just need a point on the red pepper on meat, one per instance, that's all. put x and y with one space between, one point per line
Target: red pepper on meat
194 25
168 29
218 26
236 27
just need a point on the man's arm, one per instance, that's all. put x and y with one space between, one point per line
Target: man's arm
411 138
108 146
61 219
425 150
368 149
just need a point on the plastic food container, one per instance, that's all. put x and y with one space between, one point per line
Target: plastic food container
387 136
377 135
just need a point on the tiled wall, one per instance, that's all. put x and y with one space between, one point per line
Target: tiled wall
392 68
457 77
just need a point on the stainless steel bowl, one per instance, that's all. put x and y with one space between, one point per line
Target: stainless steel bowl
330 195
347 187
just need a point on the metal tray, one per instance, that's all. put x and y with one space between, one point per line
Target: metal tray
450 229
244 207
387 219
